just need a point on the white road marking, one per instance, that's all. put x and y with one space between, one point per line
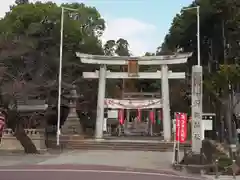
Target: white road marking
101 171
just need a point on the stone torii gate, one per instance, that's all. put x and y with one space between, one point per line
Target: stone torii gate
134 62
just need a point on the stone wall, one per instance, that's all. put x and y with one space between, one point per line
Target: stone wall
9 141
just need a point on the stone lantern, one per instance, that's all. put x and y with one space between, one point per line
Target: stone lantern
72 124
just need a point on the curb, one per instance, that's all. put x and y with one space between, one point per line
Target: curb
209 177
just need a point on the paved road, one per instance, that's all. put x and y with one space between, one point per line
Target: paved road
76 172
92 164
78 164
131 159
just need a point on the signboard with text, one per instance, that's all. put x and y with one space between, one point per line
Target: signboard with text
133 68
181 127
197 133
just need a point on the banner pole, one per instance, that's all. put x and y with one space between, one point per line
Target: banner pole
179 129
174 143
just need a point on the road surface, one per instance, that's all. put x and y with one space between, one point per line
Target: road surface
76 172
87 164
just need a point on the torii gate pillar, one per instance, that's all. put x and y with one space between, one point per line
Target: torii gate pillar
100 102
165 103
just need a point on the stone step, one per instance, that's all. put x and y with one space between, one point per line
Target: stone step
121 146
111 145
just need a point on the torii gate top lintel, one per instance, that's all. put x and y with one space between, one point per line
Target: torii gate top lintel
144 60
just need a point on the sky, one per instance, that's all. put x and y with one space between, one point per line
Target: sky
143 23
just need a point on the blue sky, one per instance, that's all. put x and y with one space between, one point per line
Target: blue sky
143 23
157 14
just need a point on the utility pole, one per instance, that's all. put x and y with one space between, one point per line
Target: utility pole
60 73
198 36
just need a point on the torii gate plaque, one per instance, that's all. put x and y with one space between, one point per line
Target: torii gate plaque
132 73
133 68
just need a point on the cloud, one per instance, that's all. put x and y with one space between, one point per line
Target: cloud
138 34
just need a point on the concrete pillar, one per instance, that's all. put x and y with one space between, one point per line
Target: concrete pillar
197 127
165 104
100 103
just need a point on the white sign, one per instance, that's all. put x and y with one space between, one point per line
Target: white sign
174 125
105 124
113 114
238 131
197 131
208 125
133 104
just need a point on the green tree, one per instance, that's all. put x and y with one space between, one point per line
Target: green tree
219 19
109 48
29 43
112 48
219 24
122 47
119 47
219 41
19 2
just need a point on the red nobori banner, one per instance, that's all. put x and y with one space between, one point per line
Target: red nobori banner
139 114
181 127
121 116
2 123
152 116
